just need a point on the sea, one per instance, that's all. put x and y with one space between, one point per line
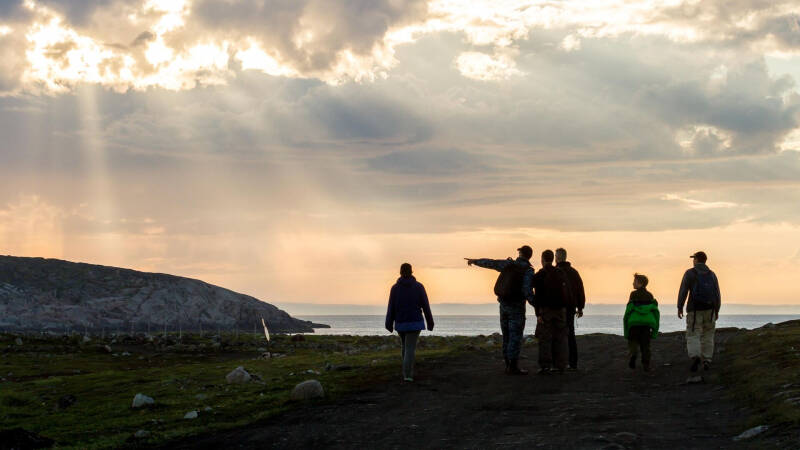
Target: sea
471 325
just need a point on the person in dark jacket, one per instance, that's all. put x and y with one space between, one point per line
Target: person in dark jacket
512 304
702 311
549 301
640 322
575 305
407 302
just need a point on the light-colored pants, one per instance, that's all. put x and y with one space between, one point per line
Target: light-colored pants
408 348
700 327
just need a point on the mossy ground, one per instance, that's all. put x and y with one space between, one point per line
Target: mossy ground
181 375
764 373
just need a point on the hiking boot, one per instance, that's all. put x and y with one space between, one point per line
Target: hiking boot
544 371
695 364
572 369
514 369
706 365
408 379
632 362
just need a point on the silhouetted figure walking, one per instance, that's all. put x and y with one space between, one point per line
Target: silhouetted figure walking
575 303
513 288
407 302
702 310
549 301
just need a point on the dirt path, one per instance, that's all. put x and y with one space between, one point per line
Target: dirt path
469 403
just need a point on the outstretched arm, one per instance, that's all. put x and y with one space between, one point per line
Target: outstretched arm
496 264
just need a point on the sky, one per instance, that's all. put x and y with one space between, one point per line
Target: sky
301 150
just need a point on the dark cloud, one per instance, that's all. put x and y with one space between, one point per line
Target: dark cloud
430 162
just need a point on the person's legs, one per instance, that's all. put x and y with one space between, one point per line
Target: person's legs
644 343
504 331
546 339
573 345
633 349
708 330
516 328
409 351
402 335
560 340
692 335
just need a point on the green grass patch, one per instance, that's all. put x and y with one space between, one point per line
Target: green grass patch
182 375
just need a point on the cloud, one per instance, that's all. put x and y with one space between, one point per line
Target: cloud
182 44
699 204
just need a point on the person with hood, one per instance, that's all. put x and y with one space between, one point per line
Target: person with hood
702 310
514 286
640 322
407 303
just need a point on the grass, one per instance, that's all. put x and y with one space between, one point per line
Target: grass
764 373
181 377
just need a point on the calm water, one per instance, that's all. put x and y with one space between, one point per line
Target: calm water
475 325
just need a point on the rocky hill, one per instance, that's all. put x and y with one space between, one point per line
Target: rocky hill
38 294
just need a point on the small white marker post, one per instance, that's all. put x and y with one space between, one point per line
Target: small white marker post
266 332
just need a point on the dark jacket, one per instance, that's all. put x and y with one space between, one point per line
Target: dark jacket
407 302
577 298
527 277
551 291
689 279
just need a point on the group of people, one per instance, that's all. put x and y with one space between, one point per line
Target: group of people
557 295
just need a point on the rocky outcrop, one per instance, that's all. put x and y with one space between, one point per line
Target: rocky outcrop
38 294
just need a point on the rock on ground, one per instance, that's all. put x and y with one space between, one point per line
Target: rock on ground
141 434
238 376
190 415
142 400
307 390
751 433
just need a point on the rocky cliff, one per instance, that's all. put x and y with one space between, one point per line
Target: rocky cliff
54 295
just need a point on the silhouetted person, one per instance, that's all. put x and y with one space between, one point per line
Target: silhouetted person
407 302
640 322
513 288
575 303
702 310
550 284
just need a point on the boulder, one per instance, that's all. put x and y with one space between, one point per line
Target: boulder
307 390
751 433
238 376
18 341
190 415
142 400
141 434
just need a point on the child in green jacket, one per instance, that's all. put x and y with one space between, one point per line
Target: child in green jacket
640 321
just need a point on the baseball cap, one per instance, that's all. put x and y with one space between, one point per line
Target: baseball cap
701 256
526 251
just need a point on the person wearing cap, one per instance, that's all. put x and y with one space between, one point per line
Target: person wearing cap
701 286
513 288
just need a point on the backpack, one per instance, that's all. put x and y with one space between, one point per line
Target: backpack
704 293
509 282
